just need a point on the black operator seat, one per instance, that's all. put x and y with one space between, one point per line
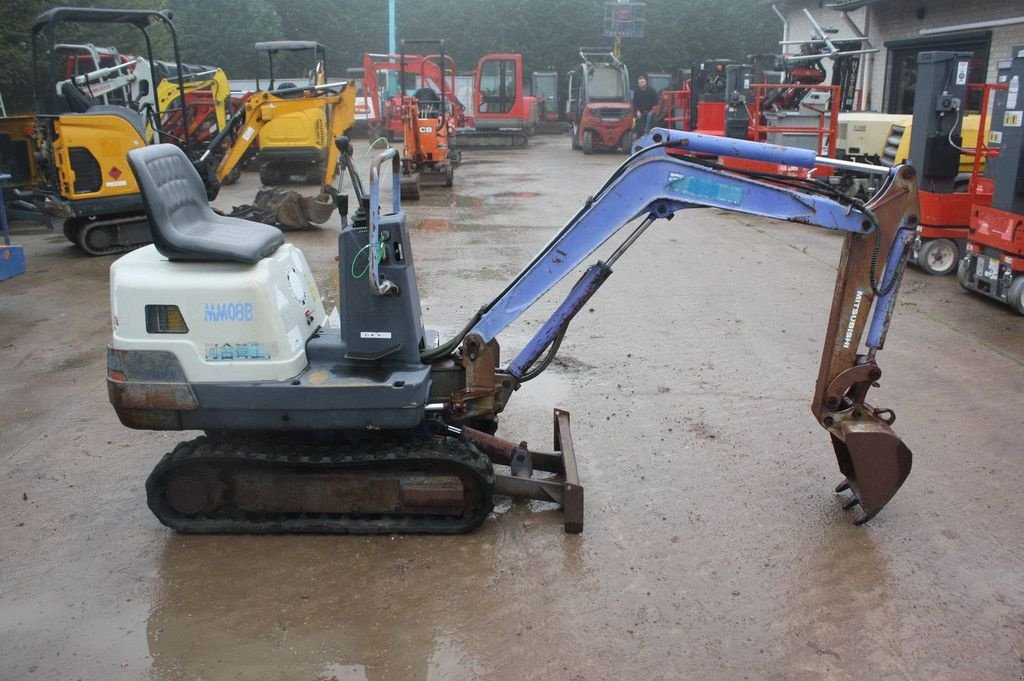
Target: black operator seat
183 224
428 102
79 102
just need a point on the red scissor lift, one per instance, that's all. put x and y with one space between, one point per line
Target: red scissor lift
819 135
946 218
994 260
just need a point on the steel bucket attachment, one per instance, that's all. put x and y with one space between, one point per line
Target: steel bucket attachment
288 209
875 462
318 209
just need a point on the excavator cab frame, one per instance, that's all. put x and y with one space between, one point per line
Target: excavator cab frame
296 144
428 122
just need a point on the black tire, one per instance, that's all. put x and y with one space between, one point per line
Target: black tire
938 257
627 142
1015 296
588 142
71 228
449 176
962 273
270 175
233 176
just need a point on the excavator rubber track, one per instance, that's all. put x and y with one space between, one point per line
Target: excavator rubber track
490 139
220 484
109 236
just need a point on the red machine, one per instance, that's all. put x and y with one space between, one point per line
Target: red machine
993 264
713 101
599 107
947 197
502 114
384 85
813 124
549 113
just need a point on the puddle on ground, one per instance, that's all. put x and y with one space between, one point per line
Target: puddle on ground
516 195
440 225
317 622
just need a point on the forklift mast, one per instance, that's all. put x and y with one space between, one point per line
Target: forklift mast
939 103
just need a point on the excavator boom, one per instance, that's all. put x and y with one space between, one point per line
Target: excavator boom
656 183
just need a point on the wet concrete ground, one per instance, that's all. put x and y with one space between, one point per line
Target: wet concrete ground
713 549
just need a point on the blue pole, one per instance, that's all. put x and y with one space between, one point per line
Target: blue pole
391 27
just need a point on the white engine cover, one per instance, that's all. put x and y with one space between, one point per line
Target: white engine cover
245 322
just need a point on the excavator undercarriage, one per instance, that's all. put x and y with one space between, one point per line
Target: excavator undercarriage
372 425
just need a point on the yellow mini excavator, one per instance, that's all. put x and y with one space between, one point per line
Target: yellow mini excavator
295 144
277 205
81 144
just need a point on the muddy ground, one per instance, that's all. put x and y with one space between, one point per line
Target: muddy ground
714 547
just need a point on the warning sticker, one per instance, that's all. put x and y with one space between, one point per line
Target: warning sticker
1012 119
961 73
249 132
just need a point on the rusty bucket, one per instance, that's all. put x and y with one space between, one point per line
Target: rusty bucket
875 462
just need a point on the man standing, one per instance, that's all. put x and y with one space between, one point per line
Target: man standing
644 101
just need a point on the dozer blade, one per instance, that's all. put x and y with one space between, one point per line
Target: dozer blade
875 462
491 139
410 187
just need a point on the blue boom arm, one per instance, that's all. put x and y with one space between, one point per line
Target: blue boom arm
655 184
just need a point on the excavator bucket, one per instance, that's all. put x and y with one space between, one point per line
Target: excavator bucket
317 209
875 462
288 209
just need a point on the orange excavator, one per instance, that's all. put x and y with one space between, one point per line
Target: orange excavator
428 127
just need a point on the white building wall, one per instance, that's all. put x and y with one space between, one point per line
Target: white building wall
897 20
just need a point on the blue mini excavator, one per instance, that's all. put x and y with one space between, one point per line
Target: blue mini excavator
375 426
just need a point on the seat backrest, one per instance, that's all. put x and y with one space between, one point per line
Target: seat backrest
172 192
183 225
77 101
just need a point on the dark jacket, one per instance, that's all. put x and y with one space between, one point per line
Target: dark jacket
644 100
